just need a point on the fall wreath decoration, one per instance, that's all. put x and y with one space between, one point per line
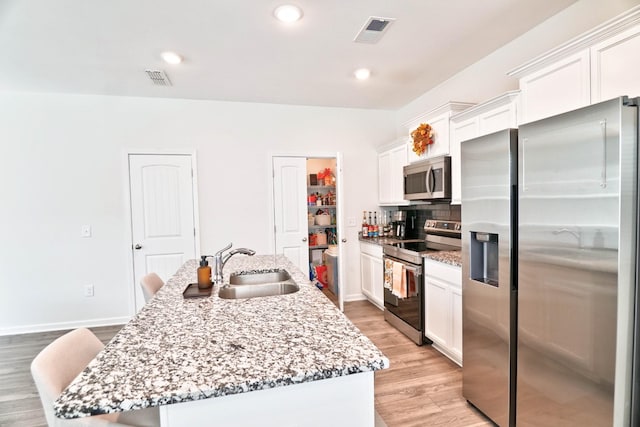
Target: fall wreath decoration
422 136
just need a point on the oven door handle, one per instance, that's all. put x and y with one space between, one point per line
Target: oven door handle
415 269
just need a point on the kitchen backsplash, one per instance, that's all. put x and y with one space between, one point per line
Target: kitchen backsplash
440 212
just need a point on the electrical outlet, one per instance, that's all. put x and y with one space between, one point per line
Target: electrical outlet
86 231
88 290
351 222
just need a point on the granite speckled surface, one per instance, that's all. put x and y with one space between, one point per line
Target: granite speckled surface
448 257
176 350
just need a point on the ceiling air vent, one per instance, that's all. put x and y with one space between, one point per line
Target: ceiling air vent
373 29
158 77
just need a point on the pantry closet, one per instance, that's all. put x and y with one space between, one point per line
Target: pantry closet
307 212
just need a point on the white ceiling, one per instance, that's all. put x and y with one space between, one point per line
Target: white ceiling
235 50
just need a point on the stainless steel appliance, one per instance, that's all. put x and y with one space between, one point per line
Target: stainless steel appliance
577 266
404 225
428 179
574 266
404 298
489 293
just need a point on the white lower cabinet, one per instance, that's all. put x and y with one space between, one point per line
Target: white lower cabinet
443 308
372 273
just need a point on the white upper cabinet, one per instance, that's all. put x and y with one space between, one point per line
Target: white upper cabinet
615 64
488 117
439 120
559 87
462 131
598 65
391 176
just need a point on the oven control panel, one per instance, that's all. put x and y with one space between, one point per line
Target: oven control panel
435 227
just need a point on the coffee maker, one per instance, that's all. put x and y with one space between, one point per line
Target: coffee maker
404 225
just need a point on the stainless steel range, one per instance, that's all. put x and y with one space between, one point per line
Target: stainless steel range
403 276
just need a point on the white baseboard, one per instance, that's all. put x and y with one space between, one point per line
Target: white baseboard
60 326
354 297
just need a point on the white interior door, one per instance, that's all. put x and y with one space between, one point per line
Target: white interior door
290 209
342 239
162 215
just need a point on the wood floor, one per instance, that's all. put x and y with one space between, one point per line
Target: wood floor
19 401
422 387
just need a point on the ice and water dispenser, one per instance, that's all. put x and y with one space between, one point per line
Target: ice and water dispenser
483 257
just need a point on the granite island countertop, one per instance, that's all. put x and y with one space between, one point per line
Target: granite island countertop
177 350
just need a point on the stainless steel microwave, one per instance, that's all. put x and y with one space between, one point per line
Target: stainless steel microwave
428 179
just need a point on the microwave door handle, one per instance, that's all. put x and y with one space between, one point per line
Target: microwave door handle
429 177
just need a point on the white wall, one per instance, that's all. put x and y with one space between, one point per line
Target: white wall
488 78
62 166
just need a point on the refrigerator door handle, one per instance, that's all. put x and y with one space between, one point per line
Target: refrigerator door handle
524 162
603 175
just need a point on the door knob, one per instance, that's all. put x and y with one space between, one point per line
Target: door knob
304 239
138 246
344 240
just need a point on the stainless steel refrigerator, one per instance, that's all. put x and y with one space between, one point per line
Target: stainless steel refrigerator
577 262
489 177
573 268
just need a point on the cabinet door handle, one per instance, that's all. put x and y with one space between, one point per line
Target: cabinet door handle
304 239
138 246
344 240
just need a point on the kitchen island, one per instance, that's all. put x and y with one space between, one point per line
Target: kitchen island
288 360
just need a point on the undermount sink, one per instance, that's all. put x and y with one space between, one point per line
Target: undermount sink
257 277
260 283
260 290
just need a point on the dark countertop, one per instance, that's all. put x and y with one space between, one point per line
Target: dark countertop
448 257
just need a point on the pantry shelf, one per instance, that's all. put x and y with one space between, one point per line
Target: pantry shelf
321 206
320 227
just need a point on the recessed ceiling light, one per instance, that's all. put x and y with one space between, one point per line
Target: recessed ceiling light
362 73
171 57
288 13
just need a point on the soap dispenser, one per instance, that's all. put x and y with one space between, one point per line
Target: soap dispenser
204 273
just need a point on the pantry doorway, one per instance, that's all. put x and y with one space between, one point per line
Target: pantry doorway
308 212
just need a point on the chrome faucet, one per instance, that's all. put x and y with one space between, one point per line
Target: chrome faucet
219 260
575 233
